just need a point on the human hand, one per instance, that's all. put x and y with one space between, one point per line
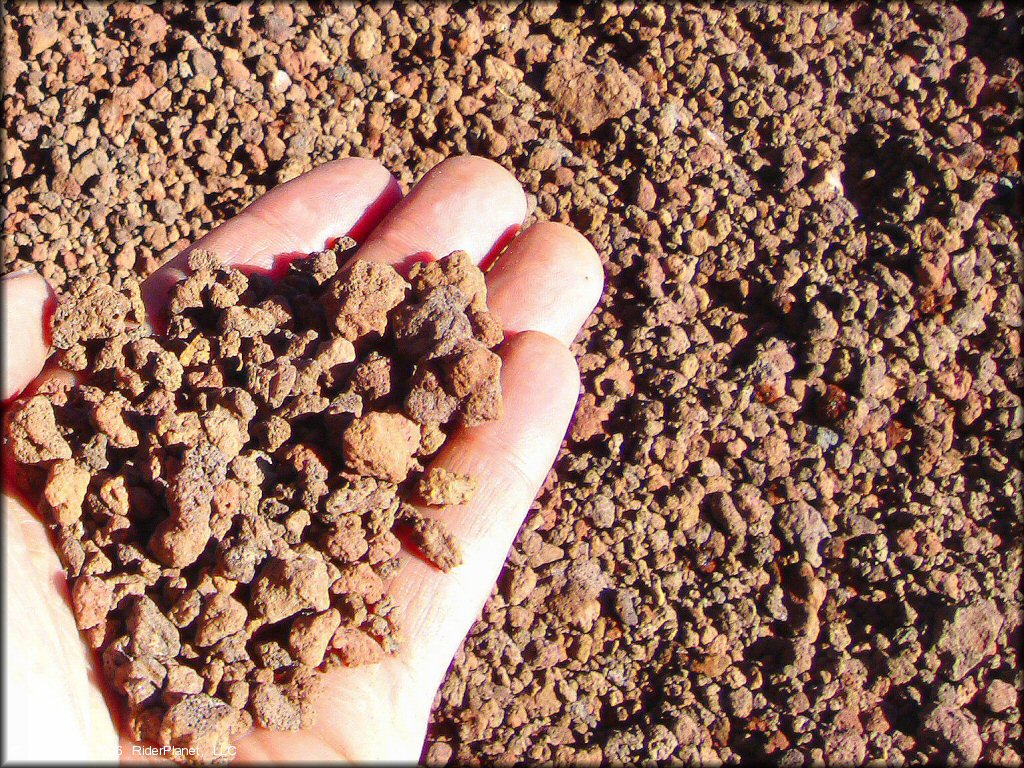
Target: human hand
543 286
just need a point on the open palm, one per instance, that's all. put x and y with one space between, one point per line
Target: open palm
543 286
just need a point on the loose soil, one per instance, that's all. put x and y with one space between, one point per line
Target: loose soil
787 522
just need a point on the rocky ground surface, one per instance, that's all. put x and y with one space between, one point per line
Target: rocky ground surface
786 522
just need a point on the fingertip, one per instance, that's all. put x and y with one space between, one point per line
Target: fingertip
546 352
28 284
28 305
373 171
549 279
540 373
477 170
465 203
334 181
335 177
347 196
586 264
579 257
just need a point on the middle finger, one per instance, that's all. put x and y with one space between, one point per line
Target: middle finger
464 203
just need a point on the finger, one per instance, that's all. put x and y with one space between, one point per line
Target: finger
549 279
465 203
27 306
509 458
344 197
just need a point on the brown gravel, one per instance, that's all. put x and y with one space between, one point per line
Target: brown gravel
787 524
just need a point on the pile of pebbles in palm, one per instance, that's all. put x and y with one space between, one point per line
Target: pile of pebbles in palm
228 497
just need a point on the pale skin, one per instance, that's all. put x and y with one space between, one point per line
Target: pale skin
542 286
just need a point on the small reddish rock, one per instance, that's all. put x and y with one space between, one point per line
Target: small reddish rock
439 486
381 445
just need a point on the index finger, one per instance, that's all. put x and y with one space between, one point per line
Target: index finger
343 197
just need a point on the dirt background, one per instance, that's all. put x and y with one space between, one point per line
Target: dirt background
786 522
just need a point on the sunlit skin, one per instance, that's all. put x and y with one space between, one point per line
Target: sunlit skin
543 285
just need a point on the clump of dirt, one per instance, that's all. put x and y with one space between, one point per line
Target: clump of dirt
223 544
